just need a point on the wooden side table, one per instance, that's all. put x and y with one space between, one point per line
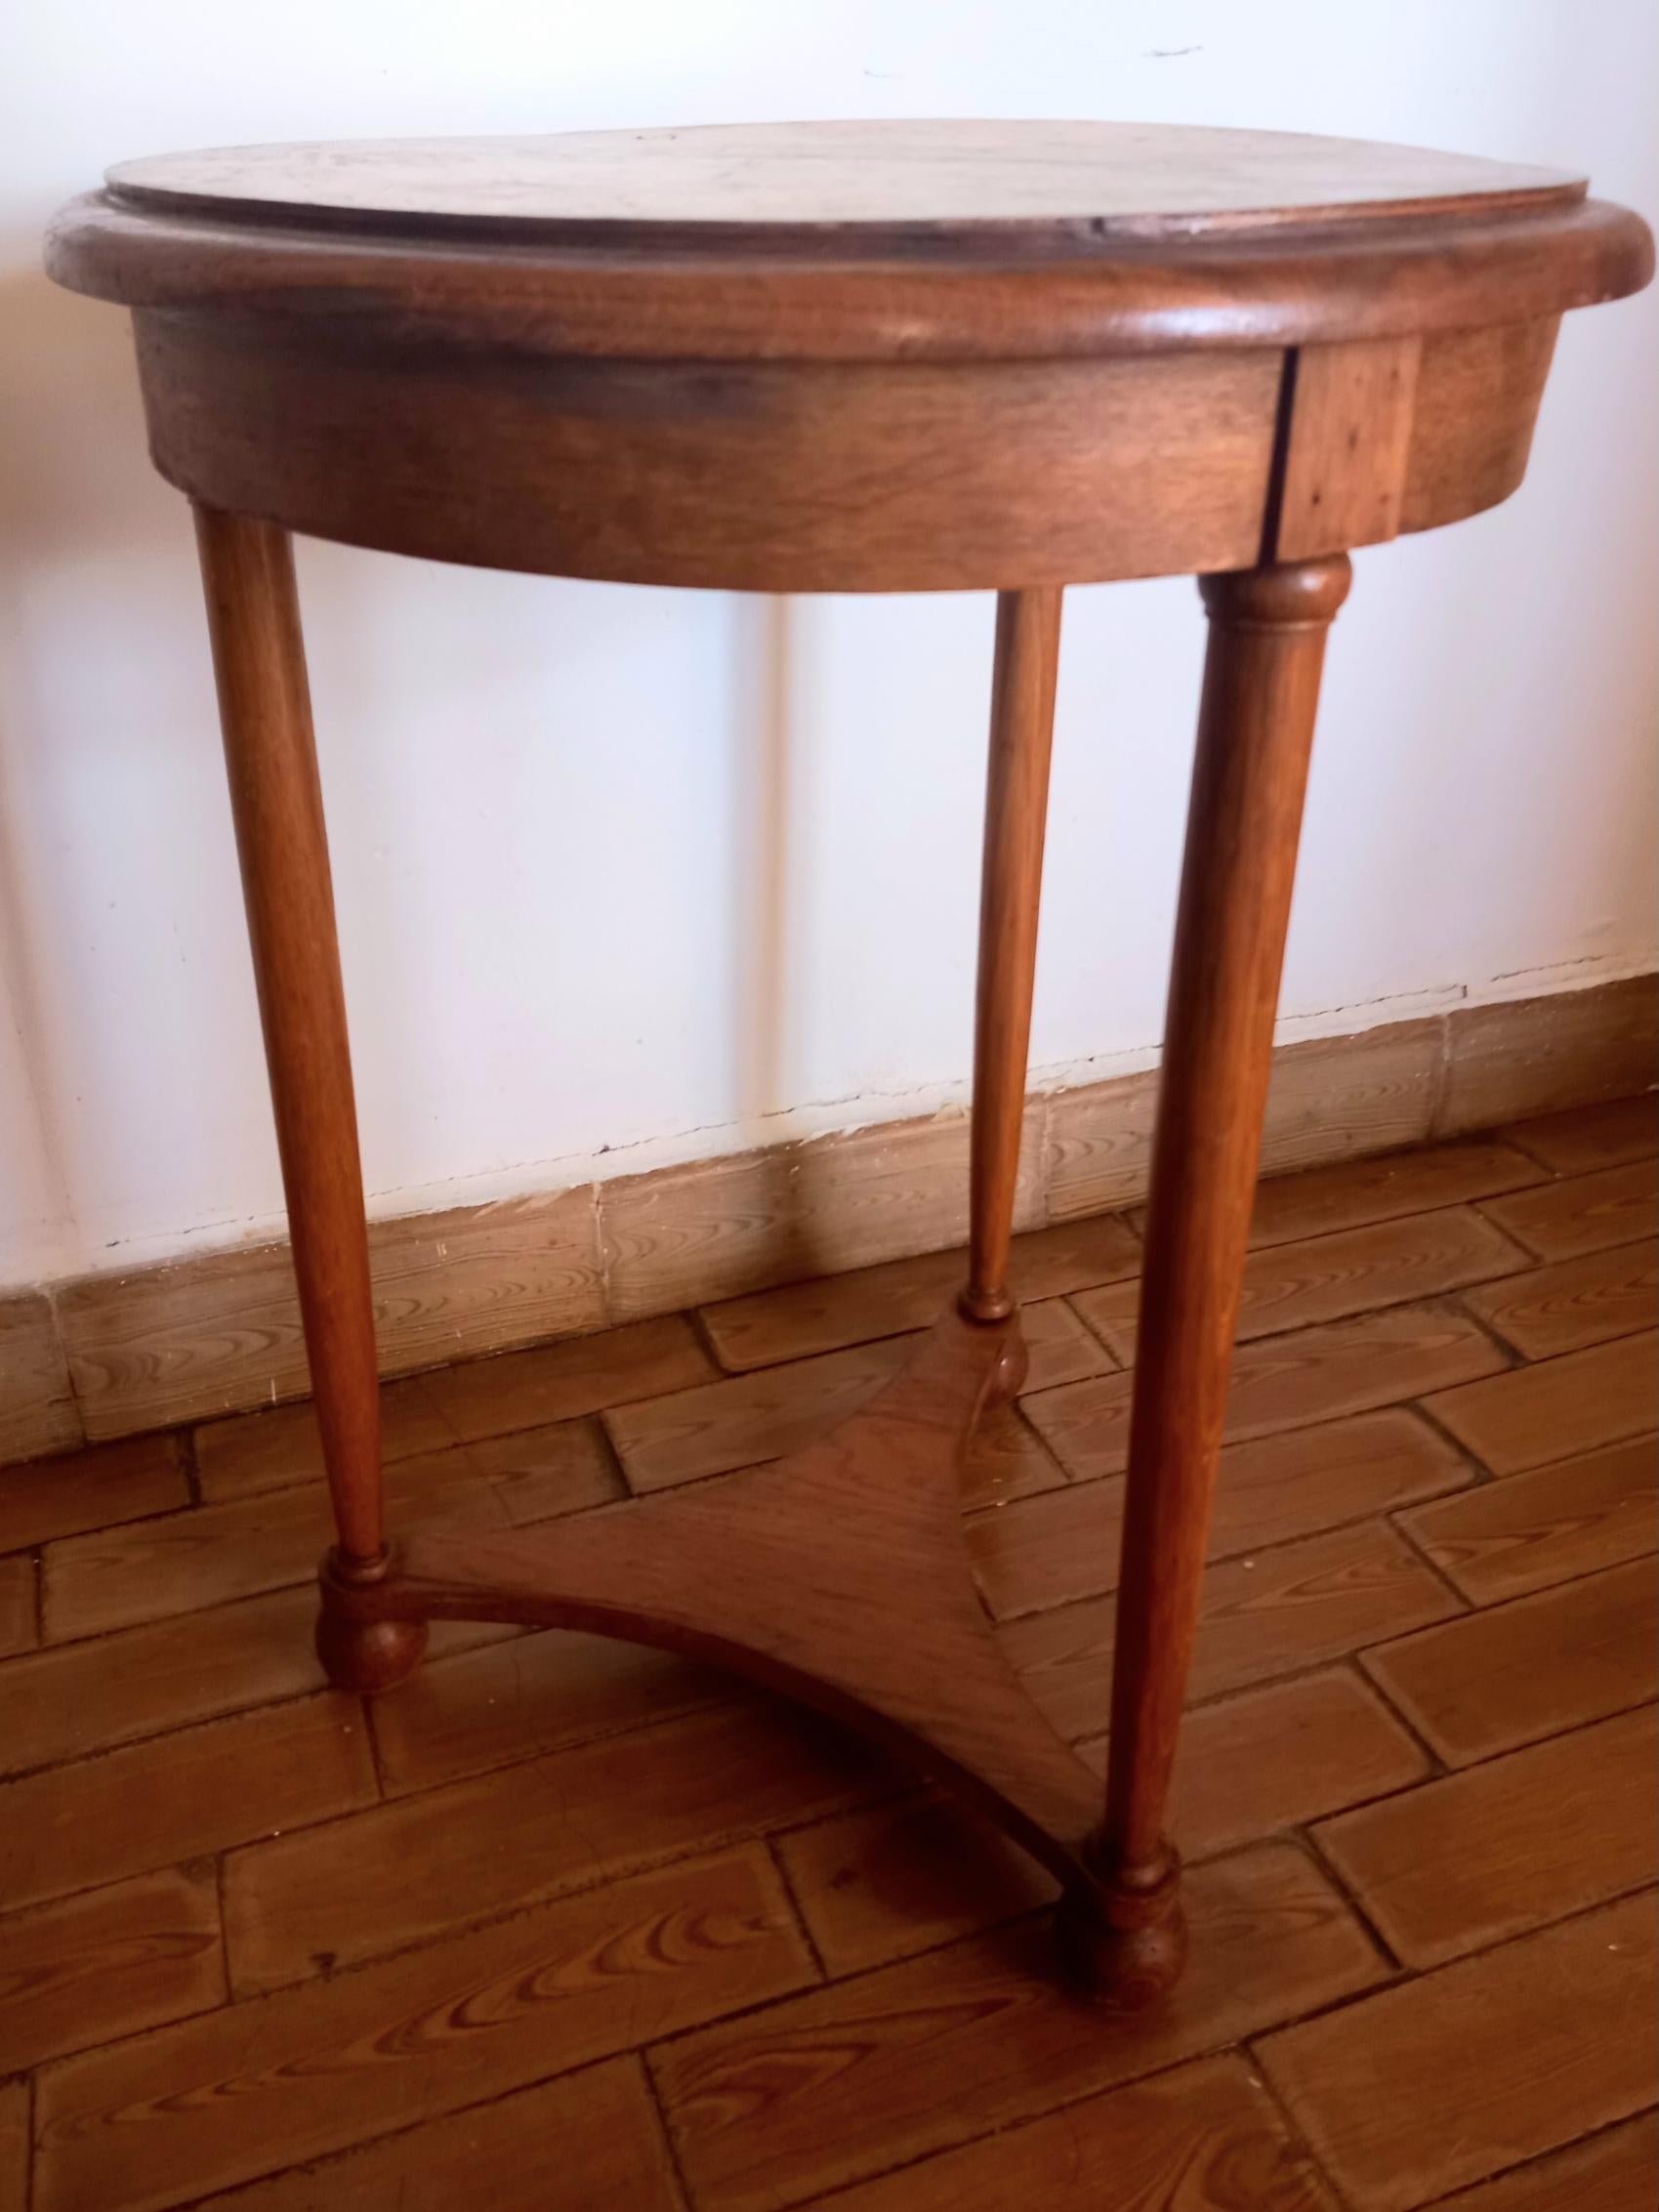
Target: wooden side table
907 356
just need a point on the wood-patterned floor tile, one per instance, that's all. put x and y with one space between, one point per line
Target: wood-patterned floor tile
749 1420
830 1313
280 1444
91 1968
887 1880
93 1488
746 1419
465 1933
1205 2138
1569 1303
1586 1138
182 1561
319 1900
589 2141
1284 1381
830 2087
1508 1675
1446 2081
182 1796
1569 1519
1271 1613
559 1382
75 1698
1300 1283
193 2109
1584 1213
1458 1863
915 1871
1059 1348
538 1474
532 1695
1615 2171
1282 1755
1385 1186
1046 1550
1531 1415
178 1562
834 1311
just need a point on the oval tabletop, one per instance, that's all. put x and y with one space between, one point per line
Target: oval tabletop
785 239
1056 183
874 356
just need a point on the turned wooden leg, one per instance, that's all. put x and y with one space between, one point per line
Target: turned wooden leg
265 712
1268 630
1017 800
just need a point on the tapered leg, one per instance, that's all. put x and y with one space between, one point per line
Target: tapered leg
1268 630
1017 799
265 712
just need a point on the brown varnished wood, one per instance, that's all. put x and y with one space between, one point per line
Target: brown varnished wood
276 803
839 1575
853 358
820 475
1268 632
1474 410
1347 450
776 476
1023 676
885 180
1072 373
1302 283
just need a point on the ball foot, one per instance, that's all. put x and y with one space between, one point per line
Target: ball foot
1124 1945
1008 1377
367 1657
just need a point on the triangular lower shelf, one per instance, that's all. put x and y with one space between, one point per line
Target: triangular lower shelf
838 1576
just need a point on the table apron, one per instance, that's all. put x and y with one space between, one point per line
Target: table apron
834 475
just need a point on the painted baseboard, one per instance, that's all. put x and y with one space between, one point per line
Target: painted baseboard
112 1354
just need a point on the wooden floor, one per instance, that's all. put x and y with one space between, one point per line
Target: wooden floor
568 1924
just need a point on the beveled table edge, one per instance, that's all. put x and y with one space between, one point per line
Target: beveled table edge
1281 284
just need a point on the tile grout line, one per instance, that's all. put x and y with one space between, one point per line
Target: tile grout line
1500 1343
791 1896
325 2162
1293 2127
1350 1896
60 1342
665 2134
1440 1084
1469 2191
1482 1474
184 1460
1409 1539
1437 1765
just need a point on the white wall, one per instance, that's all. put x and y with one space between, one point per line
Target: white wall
626 875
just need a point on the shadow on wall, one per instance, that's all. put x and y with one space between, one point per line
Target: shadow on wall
94 545
74 487
760 949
